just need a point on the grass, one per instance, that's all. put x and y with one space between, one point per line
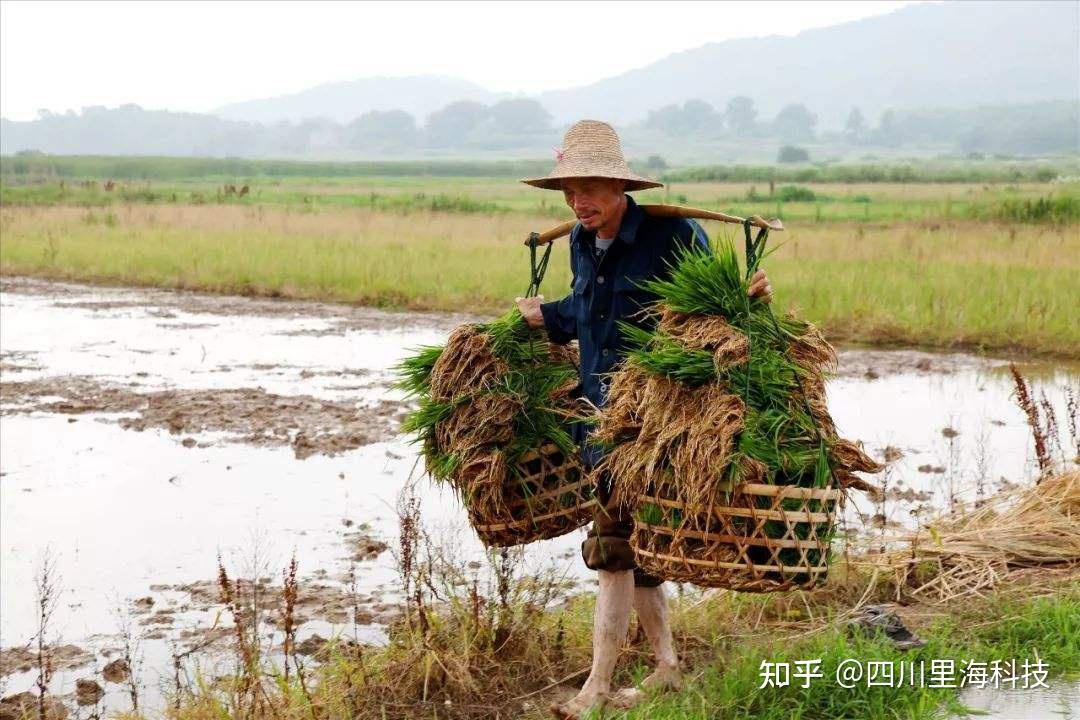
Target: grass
1019 629
488 653
995 286
408 193
161 168
166 168
885 172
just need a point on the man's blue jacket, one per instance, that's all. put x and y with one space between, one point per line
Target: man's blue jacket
607 292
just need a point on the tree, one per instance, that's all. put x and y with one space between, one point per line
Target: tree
792 154
695 117
520 117
855 125
664 119
311 134
888 132
741 115
382 130
699 117
656 163
452 125
795 122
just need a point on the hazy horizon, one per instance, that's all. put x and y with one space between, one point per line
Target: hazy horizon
195 57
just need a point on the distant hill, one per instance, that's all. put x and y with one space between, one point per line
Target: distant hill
344 101
944 54
928 79
951 54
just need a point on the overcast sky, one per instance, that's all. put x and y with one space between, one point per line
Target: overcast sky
196 56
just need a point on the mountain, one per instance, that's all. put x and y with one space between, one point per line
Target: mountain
950 54
943 54
131 130
990 77
344 101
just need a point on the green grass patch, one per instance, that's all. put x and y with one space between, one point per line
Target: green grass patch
730 687
902 172
175 168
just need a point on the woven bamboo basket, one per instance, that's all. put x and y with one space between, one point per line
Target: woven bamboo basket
550 495
758 538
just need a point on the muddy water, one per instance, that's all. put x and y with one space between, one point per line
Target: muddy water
1061 700
145 433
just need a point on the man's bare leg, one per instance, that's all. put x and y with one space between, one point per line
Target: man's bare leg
611 621
651 606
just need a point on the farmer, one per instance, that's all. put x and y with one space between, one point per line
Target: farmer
613 248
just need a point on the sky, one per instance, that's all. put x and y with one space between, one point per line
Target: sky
196 56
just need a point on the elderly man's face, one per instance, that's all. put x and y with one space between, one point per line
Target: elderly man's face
596 202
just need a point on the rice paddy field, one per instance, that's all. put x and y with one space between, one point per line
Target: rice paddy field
170 453
985 265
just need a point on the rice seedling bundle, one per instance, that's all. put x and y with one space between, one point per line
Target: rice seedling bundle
494 407
719 435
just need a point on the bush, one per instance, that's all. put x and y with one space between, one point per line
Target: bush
1061 209
792 154
656 163
795 193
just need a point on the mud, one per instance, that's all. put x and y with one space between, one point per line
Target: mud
61 657
25 705
169 302
12 361
248 415
88 692
116 671
867 364
316 601
319 648
364 547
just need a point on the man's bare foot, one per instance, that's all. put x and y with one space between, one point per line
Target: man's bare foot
578 705
663 679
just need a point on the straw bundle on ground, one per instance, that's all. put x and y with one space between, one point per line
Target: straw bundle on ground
720 437
494 407
965 554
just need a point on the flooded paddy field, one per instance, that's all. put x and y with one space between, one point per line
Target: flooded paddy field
147 433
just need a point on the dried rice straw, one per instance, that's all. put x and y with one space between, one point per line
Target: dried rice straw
1038 526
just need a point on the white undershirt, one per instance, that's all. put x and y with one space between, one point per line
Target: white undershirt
602 245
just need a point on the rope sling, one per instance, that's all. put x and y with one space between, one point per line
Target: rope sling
537 270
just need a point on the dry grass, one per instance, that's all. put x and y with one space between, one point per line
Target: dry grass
969 554
687 431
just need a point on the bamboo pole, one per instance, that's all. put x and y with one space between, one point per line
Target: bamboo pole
663 211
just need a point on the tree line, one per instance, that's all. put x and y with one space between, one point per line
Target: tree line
524 124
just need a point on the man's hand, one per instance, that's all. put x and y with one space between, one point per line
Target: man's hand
760 287
530 310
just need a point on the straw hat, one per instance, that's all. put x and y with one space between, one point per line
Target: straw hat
591 149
